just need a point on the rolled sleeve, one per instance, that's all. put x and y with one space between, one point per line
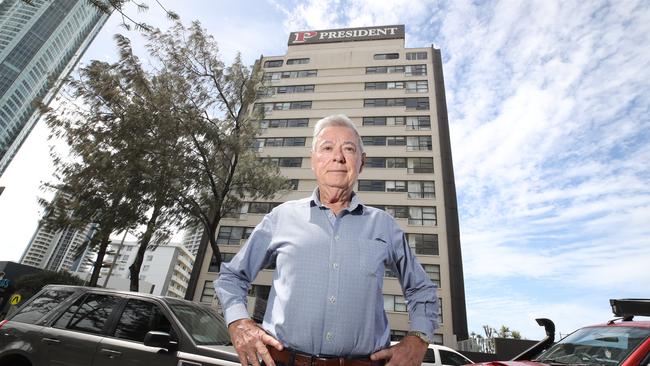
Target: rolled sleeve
419 291
231 287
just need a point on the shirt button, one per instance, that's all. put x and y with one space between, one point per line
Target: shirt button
336 237
333 299
329 336
335 265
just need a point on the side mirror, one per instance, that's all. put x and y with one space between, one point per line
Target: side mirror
159 340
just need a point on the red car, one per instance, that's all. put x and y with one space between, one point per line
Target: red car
623 341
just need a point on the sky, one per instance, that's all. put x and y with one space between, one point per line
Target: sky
549 114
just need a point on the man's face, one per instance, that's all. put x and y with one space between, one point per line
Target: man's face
337 159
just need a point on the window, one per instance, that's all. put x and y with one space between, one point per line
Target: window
394 303
417 103
274 76
386 56
293 184
145 268
396 140
140 317
395 186
374 121
375 162
149 258
421 189
416 143
273 63
129 248
297 61
420 165
416 55
417 86
423 216
398 212
389 273
384 69
207 295
225 258
260 207
41 306
426 244
372 185
295 89
297 141
395 162
282 123
232 235
374 140
88 314
433 271
418 123
398 335
415 70
429 356
451 358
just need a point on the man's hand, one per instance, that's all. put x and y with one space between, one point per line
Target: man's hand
250 342
409 352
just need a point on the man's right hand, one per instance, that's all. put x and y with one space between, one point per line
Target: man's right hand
250 341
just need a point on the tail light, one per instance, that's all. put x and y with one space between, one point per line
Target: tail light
3 322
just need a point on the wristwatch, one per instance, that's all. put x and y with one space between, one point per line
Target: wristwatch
420 335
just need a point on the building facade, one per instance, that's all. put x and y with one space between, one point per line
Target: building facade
57 250
395 96
40 43
166 267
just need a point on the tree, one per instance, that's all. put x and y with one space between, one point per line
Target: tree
30 284
156 147
214 106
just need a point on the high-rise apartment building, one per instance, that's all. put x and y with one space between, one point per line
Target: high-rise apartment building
396 97
40 43
56 250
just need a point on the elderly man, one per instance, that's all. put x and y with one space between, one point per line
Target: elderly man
326 305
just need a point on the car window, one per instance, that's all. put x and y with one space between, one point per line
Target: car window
41 305
430 356
140 317
451 358
88 314
203 324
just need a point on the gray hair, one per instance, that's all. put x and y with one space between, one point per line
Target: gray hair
335 120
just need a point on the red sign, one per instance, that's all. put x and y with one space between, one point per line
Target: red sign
347 35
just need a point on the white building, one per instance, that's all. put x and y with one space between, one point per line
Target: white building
167 267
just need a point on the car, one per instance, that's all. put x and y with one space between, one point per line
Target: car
84 326
438 355
623 341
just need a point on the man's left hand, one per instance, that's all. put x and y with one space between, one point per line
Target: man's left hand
409 352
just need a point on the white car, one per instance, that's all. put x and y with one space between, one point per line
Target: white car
438 355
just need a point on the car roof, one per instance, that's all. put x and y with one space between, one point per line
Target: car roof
167 299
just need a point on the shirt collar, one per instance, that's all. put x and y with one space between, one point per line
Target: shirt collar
356 206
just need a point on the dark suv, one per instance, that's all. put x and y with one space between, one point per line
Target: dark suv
72 325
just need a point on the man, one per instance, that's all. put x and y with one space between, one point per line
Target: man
326 304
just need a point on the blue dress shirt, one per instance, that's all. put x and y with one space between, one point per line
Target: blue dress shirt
326 297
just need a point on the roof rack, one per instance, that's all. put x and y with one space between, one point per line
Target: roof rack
629 308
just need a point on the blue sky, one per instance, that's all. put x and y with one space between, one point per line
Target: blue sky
549 114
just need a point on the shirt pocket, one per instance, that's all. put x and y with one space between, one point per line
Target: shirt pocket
372 254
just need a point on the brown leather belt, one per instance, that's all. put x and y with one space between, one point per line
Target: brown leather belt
300 359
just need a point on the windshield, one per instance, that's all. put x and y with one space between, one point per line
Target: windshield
203 324
595 346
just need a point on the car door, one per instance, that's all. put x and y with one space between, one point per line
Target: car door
74 336
125 343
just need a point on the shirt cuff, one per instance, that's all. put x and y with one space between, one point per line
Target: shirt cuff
235 312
